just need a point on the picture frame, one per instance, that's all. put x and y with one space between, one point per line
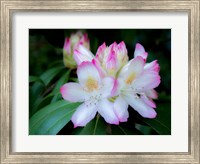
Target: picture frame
8 9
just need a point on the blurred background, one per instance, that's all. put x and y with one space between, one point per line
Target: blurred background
46 51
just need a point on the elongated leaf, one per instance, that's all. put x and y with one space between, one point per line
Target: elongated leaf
52 118
64 78
159 127
56 98
123 130
60 82
37 88
46 77
40 102
55 94
95 127
146 130
56 63
50 74
35 79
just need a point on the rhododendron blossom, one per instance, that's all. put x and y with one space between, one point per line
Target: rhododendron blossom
109 83
94 92
136 82
71 43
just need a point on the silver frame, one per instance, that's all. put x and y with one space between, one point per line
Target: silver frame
9 7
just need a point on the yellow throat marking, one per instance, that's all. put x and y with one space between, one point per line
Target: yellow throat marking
91 84
130 78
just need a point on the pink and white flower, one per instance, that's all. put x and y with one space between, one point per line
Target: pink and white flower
71 43
136 83
112 58
109 60
82 54
108 83
94 92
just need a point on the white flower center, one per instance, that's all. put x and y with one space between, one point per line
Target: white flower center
93 100
132 91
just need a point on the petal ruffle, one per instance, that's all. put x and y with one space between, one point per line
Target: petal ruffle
106 110
153 66
83 114
140 51
140 106
73 92
121 109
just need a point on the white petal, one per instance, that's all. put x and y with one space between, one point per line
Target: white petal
83 114
140 51
106 110
137 65
73 92
148 101
138 104
107 87
82 54
121 109
146 81
133 69
125 68
101 71
152 94
87 70
152 67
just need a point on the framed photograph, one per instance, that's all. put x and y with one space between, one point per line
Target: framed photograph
100 81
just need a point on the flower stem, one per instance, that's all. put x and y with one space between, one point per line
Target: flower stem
98 116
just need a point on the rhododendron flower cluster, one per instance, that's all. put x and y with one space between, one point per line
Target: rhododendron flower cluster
70 44
109 83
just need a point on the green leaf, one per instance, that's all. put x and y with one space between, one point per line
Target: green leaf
74 79
56 63
60 82
123 130
95 127
41 101
37 88
56 98
50 74
46 77
146 130
35 79
162 123
52 118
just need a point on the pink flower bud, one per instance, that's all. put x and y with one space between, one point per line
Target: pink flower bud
112 58
71 44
